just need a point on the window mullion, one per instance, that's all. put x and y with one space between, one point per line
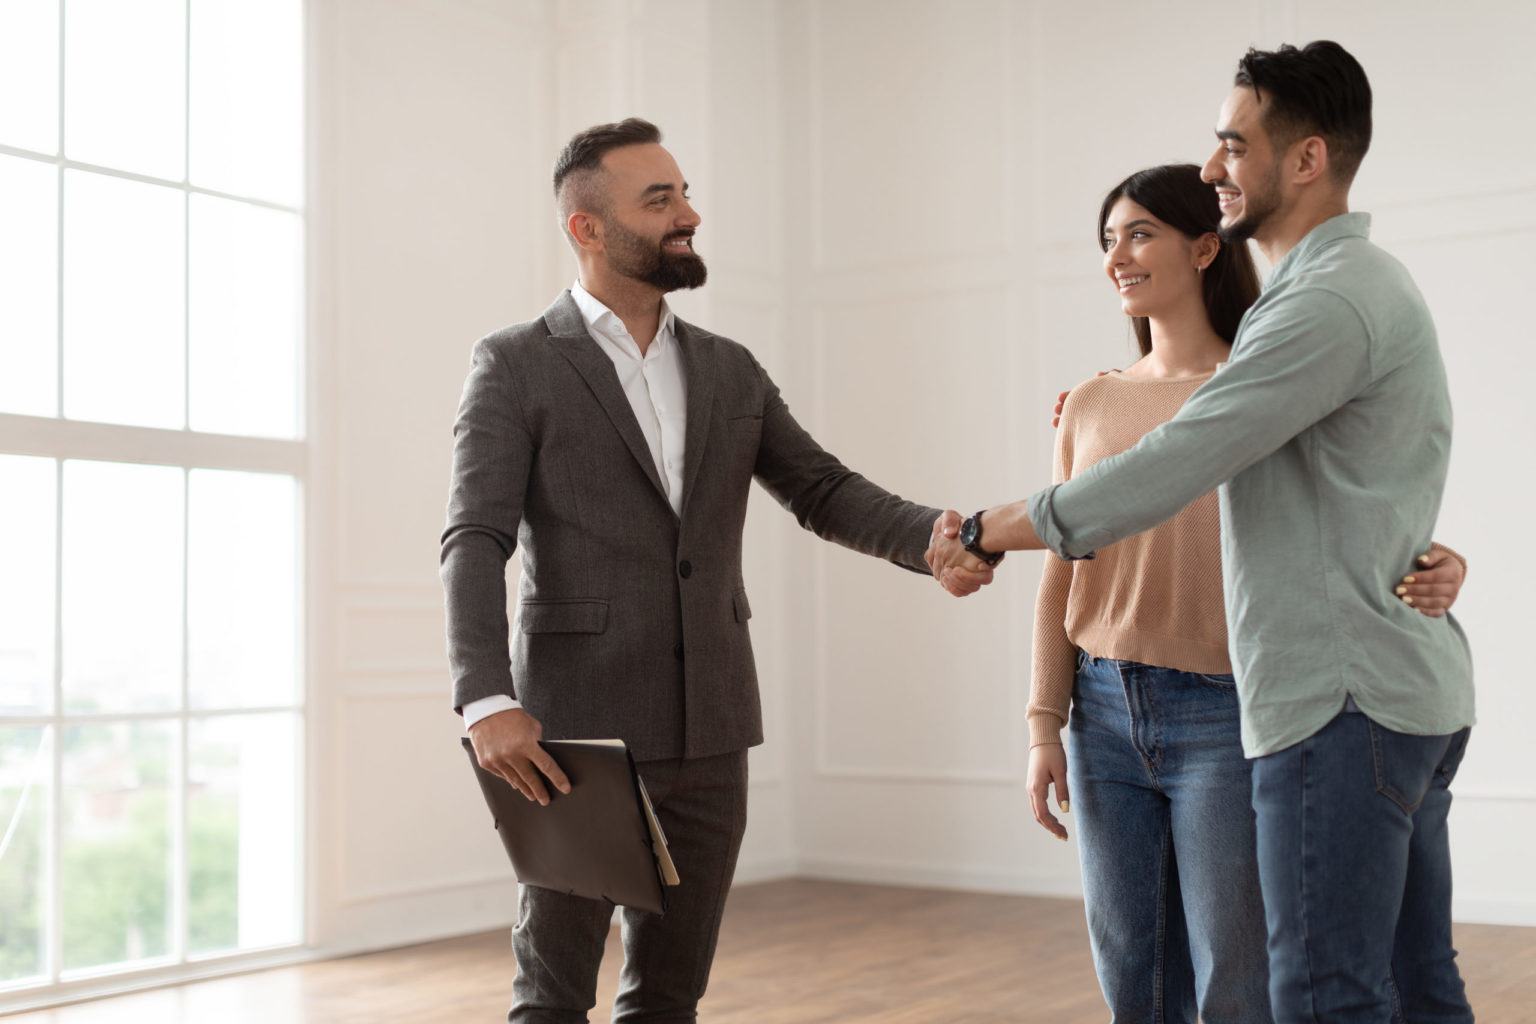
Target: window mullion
180 853
53 912
186 218
58 292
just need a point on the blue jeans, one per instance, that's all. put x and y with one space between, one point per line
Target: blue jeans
1356 865
1161 798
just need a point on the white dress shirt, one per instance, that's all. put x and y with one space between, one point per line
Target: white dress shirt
657 389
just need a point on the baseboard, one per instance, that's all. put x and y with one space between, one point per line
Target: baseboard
406 920
765 869
937 876
1520 914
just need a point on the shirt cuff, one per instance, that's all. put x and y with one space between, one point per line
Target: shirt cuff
1042 515
1044 728
485 707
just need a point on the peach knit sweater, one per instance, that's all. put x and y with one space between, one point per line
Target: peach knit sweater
1156 597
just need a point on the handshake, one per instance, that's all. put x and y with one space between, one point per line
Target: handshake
958 571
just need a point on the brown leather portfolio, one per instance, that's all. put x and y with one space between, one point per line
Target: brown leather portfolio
601 840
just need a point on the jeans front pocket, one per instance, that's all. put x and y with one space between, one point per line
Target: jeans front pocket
1224 681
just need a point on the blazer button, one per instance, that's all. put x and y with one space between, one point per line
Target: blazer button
677 651
685 569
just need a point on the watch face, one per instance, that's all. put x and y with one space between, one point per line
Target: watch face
968 531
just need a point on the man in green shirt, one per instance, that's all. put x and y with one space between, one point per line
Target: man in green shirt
1328 433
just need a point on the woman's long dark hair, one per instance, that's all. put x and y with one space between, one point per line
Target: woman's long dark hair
1175 195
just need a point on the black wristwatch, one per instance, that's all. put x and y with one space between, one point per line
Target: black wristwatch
970 539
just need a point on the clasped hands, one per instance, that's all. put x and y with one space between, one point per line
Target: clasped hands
957 570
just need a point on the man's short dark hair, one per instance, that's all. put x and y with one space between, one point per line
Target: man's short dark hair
1318 90
585 152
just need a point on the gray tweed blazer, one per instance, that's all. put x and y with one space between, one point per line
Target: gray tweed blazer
631 620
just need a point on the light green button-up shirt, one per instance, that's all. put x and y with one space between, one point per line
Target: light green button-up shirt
1329 433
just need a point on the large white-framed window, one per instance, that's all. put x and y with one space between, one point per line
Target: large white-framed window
153 462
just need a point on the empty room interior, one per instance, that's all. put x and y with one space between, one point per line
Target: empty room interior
247 248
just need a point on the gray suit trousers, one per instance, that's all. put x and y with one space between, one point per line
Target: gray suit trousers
558 940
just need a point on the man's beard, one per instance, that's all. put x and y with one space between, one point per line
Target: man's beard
636 256
1257 208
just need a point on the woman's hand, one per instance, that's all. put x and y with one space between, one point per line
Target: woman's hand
1047 767
1061 400
1435 584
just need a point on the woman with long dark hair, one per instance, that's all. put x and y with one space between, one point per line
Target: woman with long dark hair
1134 643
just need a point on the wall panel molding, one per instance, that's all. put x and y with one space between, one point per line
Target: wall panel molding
391 839
825 769
351 897
880 282
364 686
1443 218
1000 766
390 641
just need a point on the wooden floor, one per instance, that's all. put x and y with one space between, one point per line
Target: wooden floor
793 952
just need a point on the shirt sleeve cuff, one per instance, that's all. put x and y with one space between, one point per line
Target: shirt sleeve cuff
485 707
1044 728
1042 515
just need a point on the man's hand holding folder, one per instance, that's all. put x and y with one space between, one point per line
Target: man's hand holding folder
597 837
507 744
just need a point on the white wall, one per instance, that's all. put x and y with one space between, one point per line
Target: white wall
898 203
432 126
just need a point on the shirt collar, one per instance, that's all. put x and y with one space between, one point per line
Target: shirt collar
602 320
1345 225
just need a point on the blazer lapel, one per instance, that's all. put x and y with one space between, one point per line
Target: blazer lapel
699 364
568 333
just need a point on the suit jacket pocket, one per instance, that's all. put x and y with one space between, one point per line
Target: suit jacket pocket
750 427
743 609
563 616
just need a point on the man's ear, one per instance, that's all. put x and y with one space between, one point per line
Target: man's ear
1309 159
586 229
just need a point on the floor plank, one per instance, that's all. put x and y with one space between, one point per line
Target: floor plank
791 952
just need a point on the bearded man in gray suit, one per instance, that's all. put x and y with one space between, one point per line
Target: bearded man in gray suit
613 445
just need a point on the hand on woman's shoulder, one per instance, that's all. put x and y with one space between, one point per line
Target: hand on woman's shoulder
1061 399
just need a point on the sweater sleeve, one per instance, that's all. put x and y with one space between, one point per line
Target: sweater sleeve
1437 546
1055 655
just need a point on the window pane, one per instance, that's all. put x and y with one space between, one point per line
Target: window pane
122 587
29 273
246 307
116 854
247 98
124 246
242 833
29 66
125 85
27 521
242 595
26 761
